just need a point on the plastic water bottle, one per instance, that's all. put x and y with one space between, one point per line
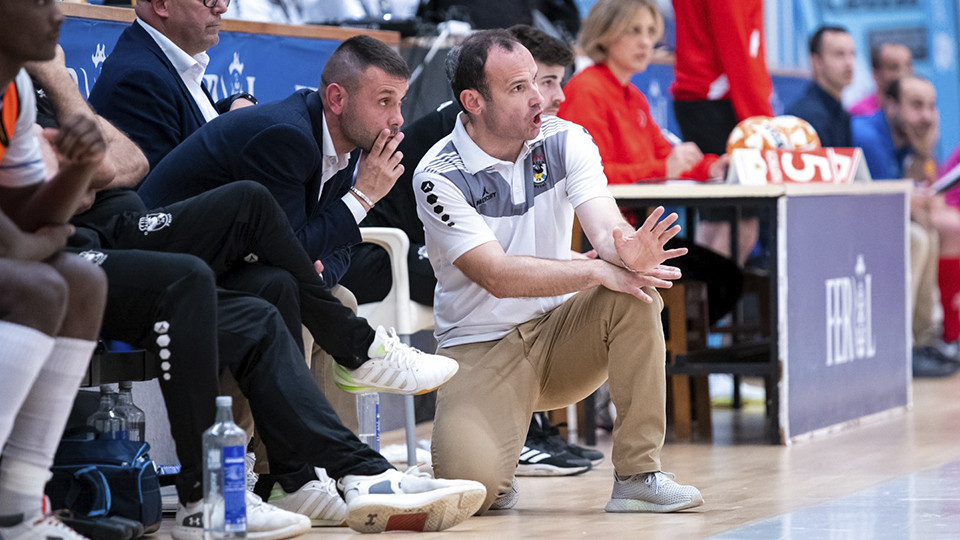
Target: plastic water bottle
224 477
368 419
108 423
136 419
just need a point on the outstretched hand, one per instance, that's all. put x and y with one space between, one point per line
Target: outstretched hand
643 250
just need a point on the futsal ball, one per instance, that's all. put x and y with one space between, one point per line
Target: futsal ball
799 133
756 132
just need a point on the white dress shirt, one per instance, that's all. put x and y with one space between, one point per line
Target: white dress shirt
190 68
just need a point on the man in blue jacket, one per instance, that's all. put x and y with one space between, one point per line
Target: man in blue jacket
151 85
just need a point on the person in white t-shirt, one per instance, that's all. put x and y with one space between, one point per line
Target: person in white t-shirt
531 328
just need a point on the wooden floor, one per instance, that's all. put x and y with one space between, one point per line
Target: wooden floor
742 482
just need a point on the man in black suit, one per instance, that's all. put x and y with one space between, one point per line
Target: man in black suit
303 149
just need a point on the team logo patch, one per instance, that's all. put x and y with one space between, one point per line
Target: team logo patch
96 257
251 258
539 166
154 221
427 186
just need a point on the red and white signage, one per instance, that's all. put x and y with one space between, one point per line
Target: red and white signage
824 165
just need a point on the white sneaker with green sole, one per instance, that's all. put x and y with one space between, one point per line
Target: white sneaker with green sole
396 368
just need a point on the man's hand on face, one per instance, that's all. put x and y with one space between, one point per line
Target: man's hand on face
380 168
923 136
643 250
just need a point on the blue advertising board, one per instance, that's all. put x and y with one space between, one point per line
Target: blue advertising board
267 66
846 329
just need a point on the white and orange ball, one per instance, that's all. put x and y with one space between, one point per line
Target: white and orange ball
799 133
756 132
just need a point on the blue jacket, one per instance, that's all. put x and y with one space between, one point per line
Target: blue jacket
825 114
884 159
141 93
279 145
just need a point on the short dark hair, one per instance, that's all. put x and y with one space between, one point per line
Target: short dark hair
878 48
892 91
545 48
465 64
816 40
354 56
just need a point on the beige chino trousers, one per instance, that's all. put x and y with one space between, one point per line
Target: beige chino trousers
557 359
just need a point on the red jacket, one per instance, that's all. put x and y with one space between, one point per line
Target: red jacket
721 54
618 118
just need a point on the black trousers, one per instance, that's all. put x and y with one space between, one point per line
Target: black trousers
369 277
231 229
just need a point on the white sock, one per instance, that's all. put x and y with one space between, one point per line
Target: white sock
39 426
23 351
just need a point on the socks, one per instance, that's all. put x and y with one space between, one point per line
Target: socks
23 351
39 426
949 278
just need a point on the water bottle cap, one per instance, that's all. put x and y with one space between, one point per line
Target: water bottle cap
126 384
224 401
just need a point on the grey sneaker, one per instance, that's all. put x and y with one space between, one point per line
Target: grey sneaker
651 492
508 500
395 501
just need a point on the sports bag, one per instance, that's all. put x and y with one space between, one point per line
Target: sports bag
104 477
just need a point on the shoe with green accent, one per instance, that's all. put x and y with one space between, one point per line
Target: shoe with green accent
318 500
395 367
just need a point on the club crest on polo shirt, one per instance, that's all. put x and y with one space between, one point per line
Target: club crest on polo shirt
154 221
539 160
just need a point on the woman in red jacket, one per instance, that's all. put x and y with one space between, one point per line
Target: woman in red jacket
619 36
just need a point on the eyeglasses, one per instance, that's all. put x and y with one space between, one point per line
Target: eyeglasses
213 3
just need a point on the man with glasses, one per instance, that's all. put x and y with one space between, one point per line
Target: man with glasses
151 85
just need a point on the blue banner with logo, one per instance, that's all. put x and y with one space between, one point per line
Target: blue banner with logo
846 326
267 66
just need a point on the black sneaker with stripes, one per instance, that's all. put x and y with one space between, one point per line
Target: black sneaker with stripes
546 455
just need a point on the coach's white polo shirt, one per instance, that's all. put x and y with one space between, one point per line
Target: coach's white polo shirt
466 198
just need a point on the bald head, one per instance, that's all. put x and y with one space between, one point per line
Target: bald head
189 24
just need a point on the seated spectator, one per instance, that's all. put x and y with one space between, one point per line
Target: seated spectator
151 86
889 62
507 301
832 55
619 36
51 303
898 142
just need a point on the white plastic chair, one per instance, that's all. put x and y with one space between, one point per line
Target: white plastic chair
398 310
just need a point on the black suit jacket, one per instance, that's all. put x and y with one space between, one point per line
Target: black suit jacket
279 145
141 93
